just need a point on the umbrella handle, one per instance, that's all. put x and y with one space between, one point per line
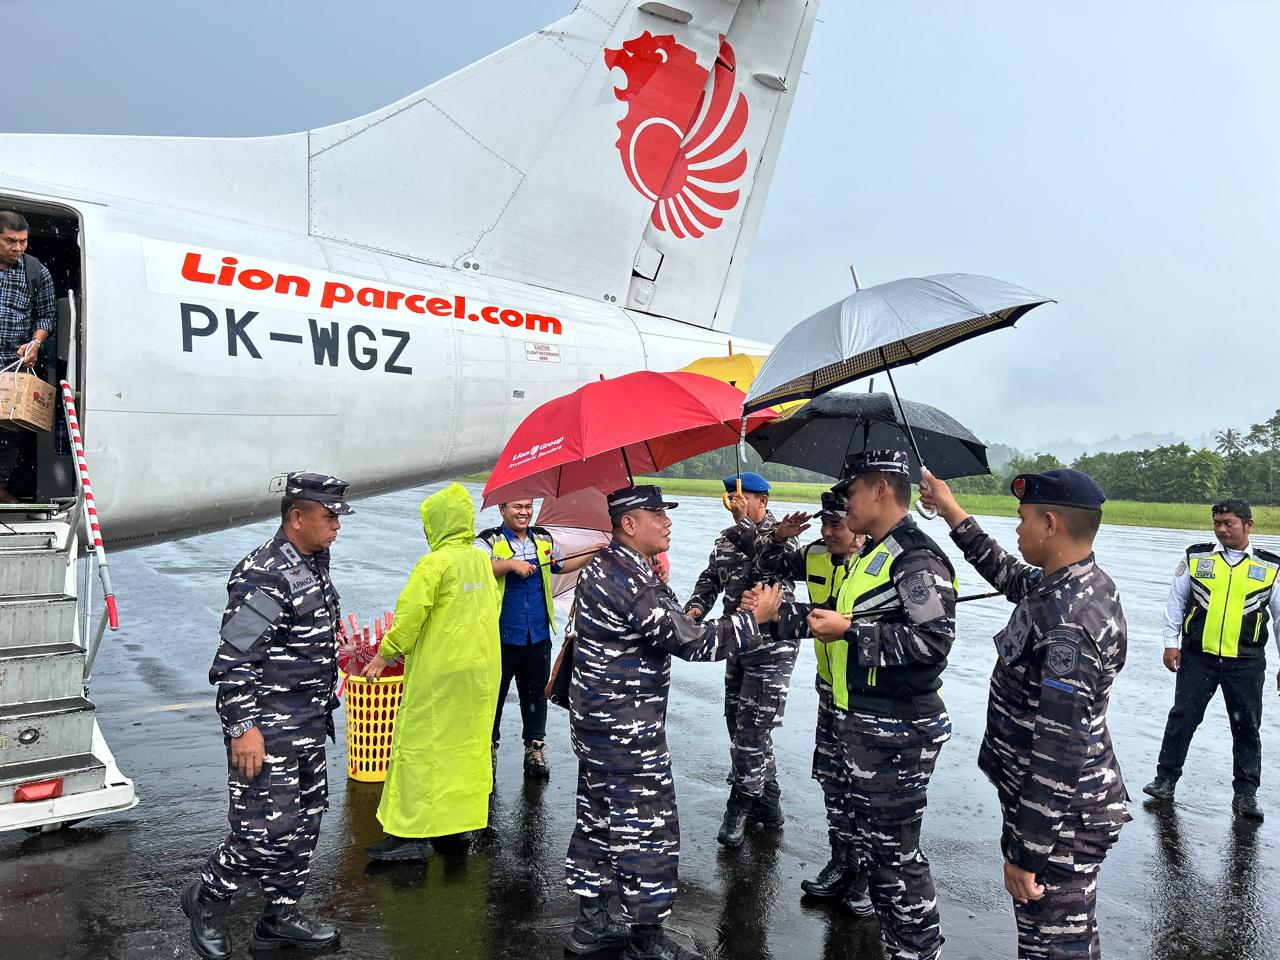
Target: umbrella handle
724 497
929 513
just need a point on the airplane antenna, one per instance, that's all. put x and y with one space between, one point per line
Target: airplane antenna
857 284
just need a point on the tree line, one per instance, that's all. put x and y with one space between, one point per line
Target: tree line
1241 464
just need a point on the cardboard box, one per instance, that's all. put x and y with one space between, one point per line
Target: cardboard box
26 402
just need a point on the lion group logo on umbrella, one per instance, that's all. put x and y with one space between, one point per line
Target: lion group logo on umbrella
680 148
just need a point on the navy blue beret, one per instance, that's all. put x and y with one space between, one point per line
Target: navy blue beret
1059 488
751 483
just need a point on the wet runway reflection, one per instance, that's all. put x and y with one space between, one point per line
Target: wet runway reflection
1185 884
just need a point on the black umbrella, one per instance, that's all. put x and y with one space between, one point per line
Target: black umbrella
824 431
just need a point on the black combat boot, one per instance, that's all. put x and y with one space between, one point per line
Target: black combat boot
857 900
651 943
734 828
399 849
595 929
209 934
766 809
1160 789
291 928
835 878
1246 805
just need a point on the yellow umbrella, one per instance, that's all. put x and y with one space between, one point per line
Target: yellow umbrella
738 370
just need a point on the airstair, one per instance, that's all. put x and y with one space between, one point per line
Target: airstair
55 766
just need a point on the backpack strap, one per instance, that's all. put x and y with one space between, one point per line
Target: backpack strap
34 268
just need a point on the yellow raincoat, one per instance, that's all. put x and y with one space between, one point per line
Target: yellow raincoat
446 627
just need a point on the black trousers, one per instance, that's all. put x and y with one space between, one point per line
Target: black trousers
1199 677
530 666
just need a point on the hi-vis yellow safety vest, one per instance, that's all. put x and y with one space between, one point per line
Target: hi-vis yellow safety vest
502 550
868 588
823 577
1227 608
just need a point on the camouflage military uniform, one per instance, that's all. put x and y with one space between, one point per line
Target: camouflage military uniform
1047 749
276 665
786 559
628 626
894 729
756 683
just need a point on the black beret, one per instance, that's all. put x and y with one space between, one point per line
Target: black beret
1059 488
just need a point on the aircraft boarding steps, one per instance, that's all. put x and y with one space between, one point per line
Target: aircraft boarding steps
55 767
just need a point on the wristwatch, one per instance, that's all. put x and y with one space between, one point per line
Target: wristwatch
237 730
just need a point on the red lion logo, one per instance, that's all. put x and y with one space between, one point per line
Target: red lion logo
677 146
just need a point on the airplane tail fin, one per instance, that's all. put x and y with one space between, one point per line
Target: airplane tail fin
621 154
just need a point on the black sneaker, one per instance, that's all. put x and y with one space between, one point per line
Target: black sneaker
399 849
293 929
1246 805
1160 789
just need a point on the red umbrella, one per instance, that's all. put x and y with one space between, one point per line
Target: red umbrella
604 433
578 521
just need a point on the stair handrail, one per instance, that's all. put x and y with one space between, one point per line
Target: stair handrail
93 528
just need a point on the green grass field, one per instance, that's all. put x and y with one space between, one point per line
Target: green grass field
1174 516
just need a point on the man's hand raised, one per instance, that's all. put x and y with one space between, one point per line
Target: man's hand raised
792 525
935 494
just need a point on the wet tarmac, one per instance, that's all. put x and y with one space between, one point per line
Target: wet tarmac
1183 885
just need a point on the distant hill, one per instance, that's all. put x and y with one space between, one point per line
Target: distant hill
1068 450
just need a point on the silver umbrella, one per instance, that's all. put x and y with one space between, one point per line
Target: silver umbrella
885 326
882 327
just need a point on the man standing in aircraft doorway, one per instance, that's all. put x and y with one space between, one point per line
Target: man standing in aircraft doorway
26 321
276 669
518 551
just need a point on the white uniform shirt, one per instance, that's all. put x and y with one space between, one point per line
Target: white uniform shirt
1180 589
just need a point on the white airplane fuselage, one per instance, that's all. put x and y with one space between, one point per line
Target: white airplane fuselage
384 300
199 390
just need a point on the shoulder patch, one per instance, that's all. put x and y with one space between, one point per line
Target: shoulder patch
1182 568
917 589
257 615
1062 651
1063 657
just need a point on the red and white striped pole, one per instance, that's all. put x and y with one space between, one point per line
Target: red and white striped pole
91 510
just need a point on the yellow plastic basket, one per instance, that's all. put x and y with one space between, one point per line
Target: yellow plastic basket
371 707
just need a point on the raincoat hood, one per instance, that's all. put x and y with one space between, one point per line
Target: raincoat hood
449 517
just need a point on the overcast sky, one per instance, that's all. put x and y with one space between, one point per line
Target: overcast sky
1119 157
